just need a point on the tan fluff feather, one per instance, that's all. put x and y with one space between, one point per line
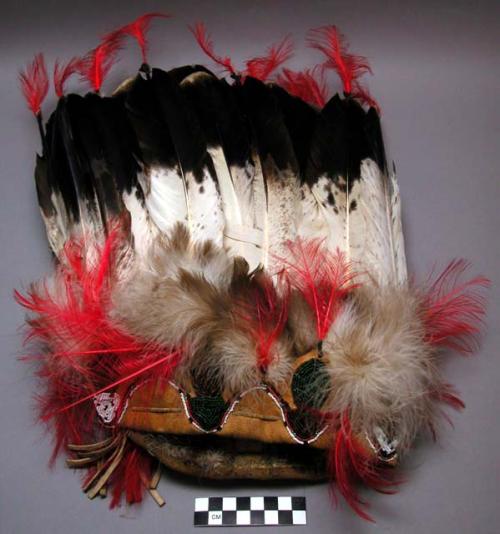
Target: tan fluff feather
176 252
230 359
154 302
383 374
301 324
184 298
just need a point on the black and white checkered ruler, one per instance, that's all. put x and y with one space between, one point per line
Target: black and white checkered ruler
249 511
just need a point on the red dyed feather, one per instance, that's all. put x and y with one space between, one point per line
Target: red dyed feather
83 352
96 64
448 396
258 67
348 461
130 477
323 278
309 85
206 44
453 310
363 95
333 45
265 310
62 73
271 312
340 468
262 67
138 29
35 83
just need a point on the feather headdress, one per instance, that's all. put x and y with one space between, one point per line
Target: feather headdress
230 264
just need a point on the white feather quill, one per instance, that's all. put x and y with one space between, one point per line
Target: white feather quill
219 116
258 213
376 245
143 229
56 224
165 196
230 202
250 230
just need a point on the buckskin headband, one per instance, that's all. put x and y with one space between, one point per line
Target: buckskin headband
230 293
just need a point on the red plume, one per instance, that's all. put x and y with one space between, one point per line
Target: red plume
363 95
83 352
126 468
138 30
129 478
262 67
264 309
309 85
62 73
206 44
453 310
96 64
271 310
323 278
348 462
448 395
35 83
259 67
333 45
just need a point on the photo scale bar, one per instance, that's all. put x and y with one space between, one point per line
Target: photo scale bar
282 510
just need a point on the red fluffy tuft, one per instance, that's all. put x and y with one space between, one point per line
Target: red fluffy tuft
259 67
309 85
333 45
453 310
138 29
262 67
323 278
206 44
271 316
264 309
96 64
35 83
62 73
348 462
363 95
82 352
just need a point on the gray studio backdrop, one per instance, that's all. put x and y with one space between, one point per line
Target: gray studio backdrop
436 76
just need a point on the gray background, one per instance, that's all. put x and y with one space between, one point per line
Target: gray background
437 79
